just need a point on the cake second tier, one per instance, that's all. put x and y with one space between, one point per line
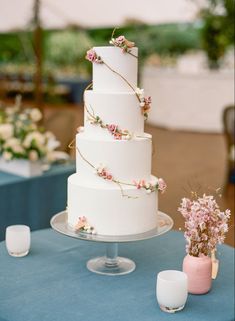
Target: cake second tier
126 160
118 109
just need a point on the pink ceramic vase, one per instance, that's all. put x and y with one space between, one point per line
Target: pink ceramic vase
198 270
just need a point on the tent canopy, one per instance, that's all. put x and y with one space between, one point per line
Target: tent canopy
15 14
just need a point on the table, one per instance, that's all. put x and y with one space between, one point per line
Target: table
53 284
33 201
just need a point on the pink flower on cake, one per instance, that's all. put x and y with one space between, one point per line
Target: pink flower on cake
122 43
112 128
161 185
145 105
83 226
118 136
102 172
120 40
81 223
92 56
139 184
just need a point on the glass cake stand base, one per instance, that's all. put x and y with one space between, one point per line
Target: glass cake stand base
111 263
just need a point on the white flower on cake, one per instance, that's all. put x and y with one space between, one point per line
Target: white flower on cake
6 131
139 92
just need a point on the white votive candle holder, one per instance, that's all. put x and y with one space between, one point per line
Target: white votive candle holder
172 290
18 240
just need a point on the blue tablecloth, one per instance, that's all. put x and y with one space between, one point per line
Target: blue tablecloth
33 201
53 284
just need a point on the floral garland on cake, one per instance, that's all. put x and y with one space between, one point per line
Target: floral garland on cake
125 45
103 173
113 129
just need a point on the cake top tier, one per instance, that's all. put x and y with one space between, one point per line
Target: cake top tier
114 70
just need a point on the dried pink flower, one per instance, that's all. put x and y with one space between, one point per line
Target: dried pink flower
122 43
120 40
161 185
205 224
92 56
81 223
112 128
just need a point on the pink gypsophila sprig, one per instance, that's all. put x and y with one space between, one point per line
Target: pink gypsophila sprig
205 224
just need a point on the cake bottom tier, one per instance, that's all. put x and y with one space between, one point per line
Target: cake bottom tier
108 211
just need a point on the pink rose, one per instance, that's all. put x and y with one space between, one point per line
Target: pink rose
119 40
81 223
148 100
161 185
91 55
112 128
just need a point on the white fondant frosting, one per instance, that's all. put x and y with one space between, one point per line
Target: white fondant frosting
104 203
108 211
125 160
121 109
105 80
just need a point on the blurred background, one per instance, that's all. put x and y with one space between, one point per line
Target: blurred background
186 63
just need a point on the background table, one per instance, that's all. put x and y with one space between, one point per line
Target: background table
33 201
53 284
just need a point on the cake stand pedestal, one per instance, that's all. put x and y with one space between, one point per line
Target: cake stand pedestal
111 263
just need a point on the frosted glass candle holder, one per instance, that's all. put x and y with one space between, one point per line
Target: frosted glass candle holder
18 240
172 290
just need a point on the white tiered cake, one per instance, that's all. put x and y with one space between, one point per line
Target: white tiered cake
113 189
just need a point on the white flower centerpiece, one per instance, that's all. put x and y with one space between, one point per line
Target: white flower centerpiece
23 144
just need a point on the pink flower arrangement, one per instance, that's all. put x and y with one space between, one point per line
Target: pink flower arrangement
92 56
122 43
205 224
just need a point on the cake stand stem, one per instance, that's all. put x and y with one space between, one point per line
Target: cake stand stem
111 259
111 263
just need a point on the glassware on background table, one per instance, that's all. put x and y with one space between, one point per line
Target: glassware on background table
172 290
18 240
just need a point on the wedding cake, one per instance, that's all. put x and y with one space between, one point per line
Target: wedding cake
113 191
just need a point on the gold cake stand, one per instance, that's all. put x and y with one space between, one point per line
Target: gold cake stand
111 263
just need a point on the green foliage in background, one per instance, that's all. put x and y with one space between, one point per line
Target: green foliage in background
218 30
66 49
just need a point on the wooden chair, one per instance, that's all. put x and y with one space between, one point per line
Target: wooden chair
229 131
